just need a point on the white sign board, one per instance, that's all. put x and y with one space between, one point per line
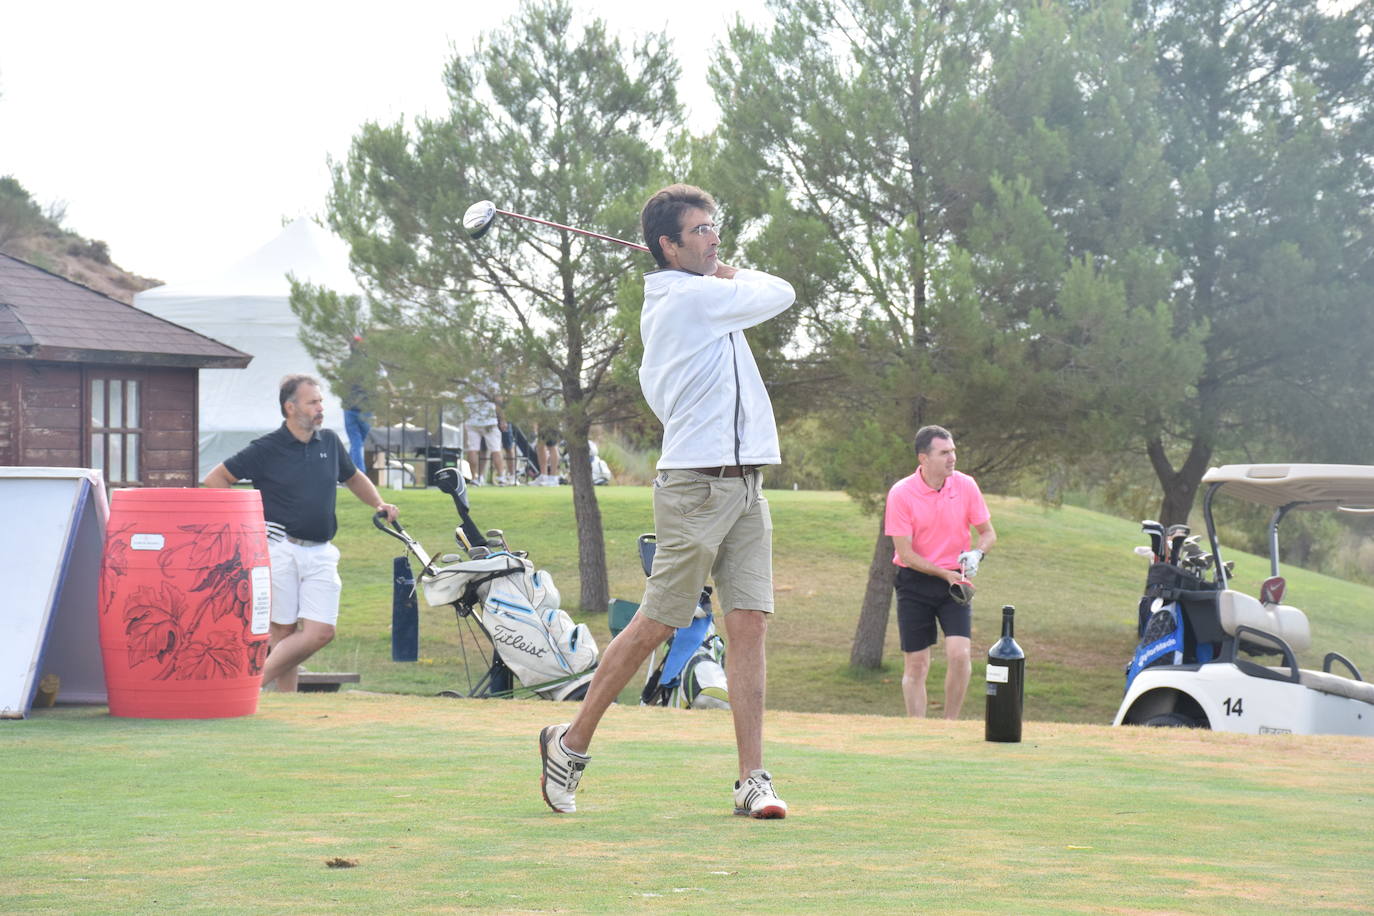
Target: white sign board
50 554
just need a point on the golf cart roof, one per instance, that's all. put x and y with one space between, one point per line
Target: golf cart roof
1300 486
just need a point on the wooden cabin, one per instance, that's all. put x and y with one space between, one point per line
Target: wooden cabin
87 381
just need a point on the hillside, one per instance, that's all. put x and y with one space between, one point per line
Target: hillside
29 233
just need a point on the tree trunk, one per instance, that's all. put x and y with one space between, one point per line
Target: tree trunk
1178 486
591 542
871 632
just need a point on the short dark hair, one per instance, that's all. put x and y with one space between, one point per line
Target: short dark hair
662 215
289 386
928 434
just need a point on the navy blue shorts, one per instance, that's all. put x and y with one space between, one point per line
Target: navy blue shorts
921 601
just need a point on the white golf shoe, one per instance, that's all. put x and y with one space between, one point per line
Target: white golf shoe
755 797
562 770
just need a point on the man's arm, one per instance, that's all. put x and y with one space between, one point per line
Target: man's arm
219 476
365 491
752 299
915 561
986 536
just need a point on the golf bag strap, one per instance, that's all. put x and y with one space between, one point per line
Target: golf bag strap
470 590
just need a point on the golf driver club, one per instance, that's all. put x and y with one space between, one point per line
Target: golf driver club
962 591
1156 532
1176 536
479 217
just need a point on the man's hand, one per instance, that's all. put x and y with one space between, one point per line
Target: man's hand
725 271
969 560
390 510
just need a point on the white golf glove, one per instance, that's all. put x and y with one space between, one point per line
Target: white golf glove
969 560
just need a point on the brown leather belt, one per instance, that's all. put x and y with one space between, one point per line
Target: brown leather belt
728 470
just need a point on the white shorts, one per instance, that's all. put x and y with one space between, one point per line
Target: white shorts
305 582
491 435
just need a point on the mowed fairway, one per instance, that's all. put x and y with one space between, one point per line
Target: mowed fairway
437 805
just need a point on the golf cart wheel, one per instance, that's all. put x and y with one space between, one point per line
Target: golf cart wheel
1171 720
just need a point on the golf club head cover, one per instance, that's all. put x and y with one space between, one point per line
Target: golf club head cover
969 560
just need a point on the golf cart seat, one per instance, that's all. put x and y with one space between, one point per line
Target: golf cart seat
1337 685
1289 624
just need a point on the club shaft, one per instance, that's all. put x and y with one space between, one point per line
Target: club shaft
595 235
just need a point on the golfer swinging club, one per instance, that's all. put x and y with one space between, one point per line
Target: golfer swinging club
710 515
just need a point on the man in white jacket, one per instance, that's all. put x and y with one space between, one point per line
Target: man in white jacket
710 516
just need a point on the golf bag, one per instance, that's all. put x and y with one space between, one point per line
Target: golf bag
502 600
526 458
1178 620
601 471
517 607
692 672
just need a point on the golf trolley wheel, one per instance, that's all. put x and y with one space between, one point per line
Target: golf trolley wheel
1171 720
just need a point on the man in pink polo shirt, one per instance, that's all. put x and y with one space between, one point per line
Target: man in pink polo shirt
928 518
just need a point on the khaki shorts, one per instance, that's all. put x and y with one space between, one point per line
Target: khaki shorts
709 526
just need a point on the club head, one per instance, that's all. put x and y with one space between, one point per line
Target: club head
479 217
962 592
450 481
461 537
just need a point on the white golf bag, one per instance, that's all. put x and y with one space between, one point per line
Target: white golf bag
518 608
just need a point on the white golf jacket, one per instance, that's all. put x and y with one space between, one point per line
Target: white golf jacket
698 373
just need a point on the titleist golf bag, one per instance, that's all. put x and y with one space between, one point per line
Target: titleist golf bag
692 672
501 599
517 607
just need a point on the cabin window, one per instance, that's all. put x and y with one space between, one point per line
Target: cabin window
116 428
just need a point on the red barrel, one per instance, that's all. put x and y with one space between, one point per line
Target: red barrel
185 603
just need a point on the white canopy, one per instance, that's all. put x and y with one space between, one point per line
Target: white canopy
247 306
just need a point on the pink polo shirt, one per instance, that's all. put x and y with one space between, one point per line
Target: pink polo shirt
937 521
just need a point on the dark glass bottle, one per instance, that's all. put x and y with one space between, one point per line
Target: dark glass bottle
1006 684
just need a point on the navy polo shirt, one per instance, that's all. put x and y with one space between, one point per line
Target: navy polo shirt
297 479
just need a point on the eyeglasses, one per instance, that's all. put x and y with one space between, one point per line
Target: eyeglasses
703 230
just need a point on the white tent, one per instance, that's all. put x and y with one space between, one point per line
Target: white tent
247 306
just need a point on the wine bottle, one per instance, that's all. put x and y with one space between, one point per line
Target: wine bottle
1006 684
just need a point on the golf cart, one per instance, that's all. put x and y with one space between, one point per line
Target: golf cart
1194 664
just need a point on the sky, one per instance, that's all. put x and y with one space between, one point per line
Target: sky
184 134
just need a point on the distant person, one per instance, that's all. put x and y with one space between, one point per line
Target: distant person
546 438
297 469
482 430
508 448
358 405
710 515
928 516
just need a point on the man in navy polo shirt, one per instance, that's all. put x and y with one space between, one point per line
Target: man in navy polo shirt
297 468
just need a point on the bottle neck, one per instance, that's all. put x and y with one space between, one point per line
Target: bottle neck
1007 626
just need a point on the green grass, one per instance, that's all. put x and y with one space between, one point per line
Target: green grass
1069 572
436 802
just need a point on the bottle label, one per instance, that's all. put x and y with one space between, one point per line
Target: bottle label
997 674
